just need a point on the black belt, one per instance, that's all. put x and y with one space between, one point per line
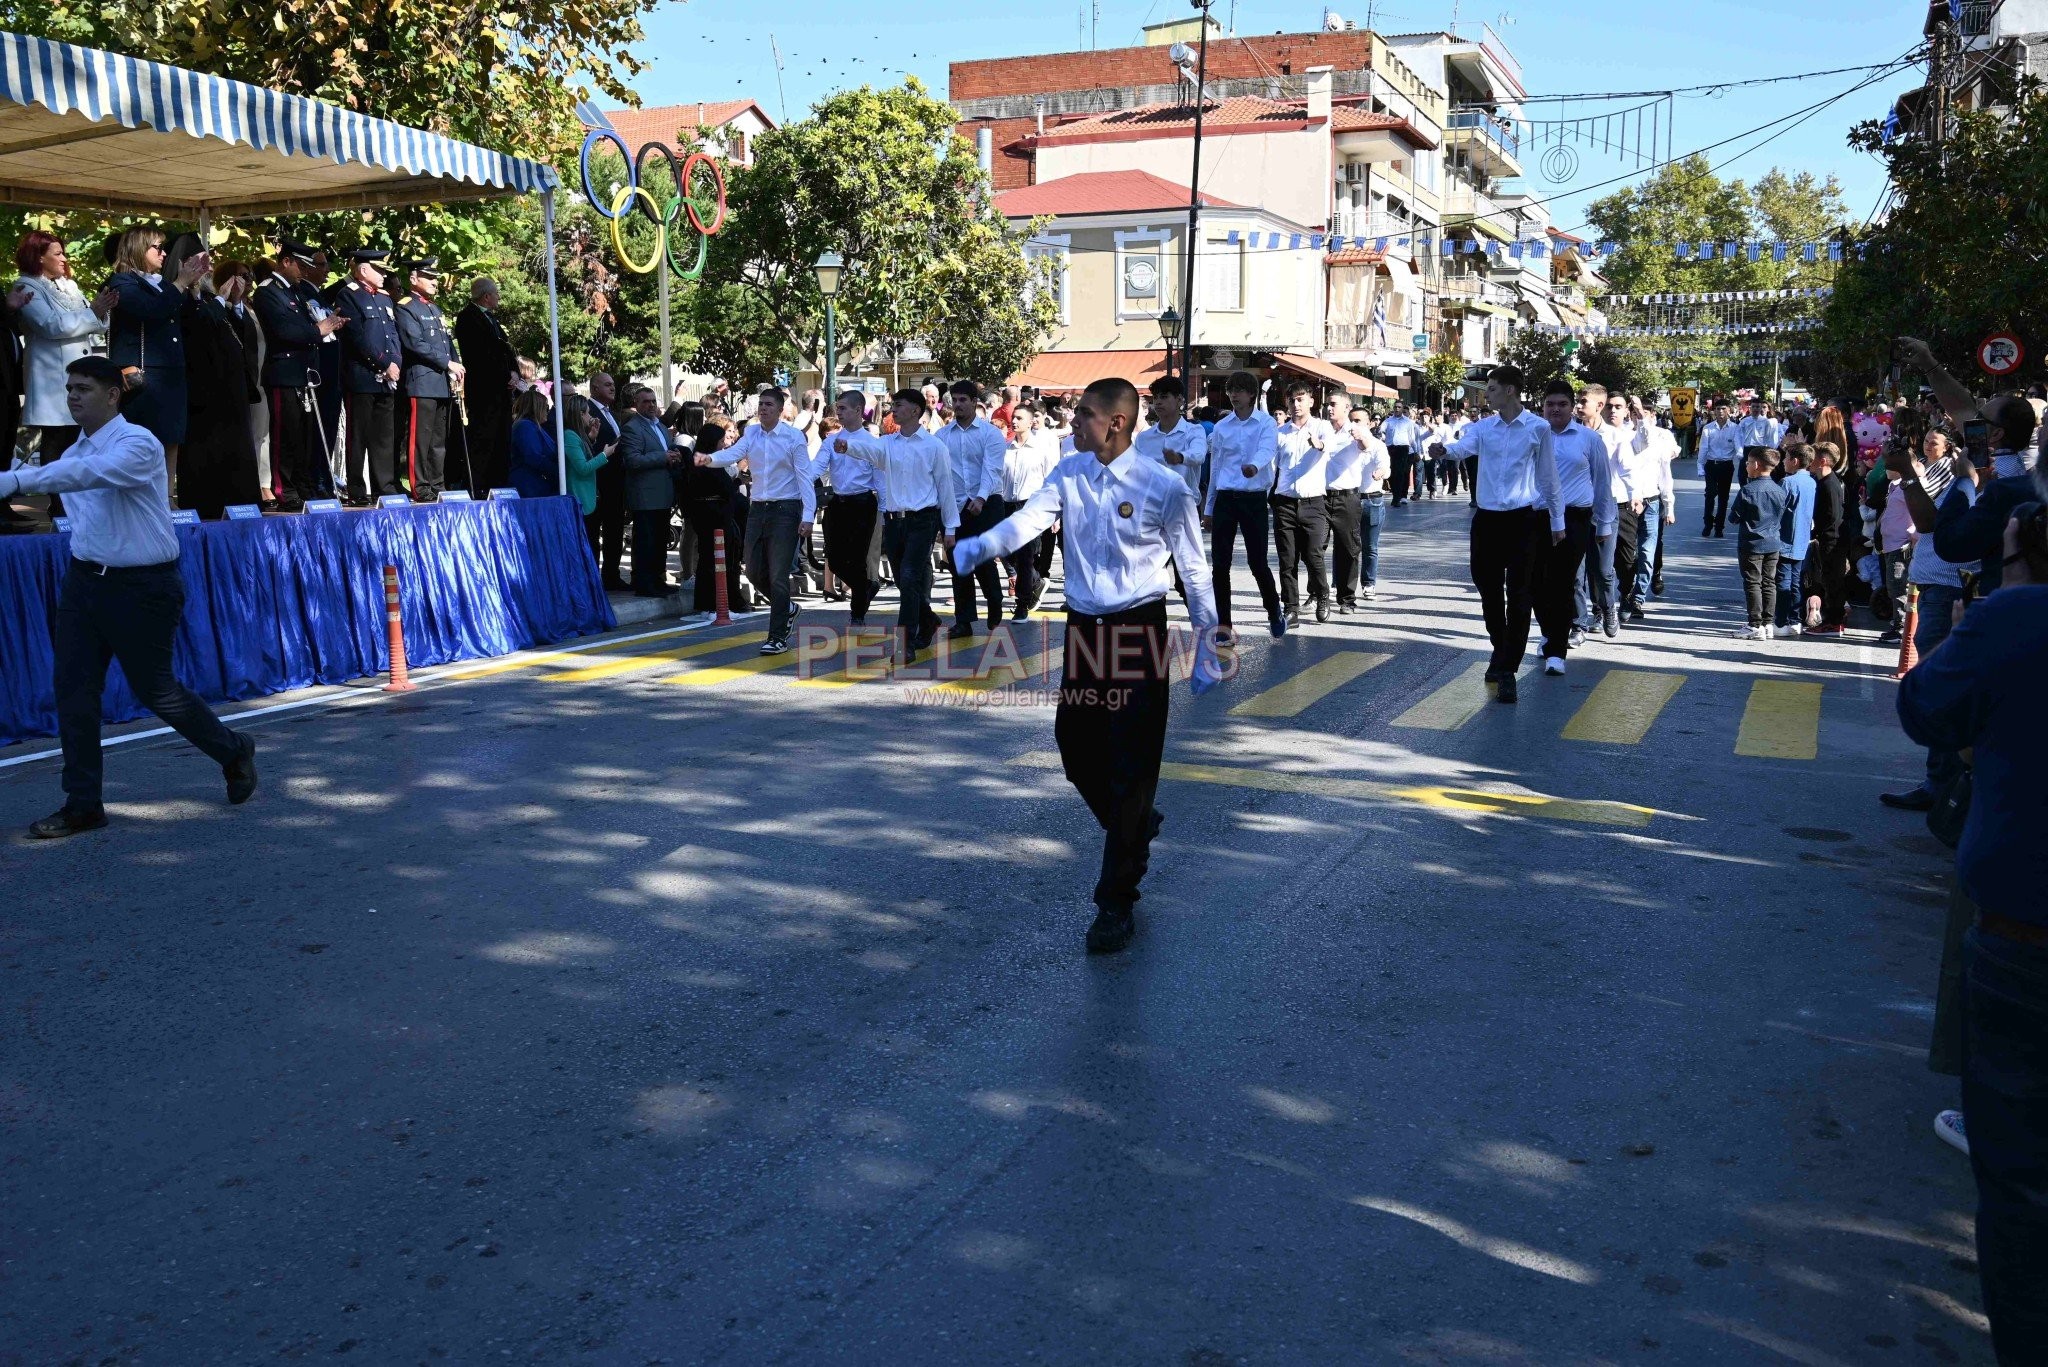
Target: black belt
776 502
1151 611
95 568
835 499
911 512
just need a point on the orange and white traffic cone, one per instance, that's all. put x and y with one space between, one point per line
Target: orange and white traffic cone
724 617
394 626
1908 656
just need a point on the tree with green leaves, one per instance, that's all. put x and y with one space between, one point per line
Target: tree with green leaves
1963 252
1540 356
879 177
1443 374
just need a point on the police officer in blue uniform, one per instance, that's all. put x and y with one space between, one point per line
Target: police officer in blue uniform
371 367
292 336
427 388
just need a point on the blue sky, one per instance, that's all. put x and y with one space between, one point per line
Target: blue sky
717 50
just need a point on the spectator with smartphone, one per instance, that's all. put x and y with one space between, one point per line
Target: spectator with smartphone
1975 531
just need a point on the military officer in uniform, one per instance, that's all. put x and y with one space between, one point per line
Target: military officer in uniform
369 378
292 335
319 296
431 371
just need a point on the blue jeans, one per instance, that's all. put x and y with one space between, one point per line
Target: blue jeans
1369 536
2005 1106
1646 551
1596 574
1791 603
1937 609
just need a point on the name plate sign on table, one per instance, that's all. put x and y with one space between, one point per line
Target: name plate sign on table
184 517
323 505
242 512
394 501
456 496
62 524
500 495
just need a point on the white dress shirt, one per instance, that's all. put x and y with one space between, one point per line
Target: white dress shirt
916 473
977 454
849 473
1720 441
1517 465
1122 523
1027 463
1304 464
1759 431
1377 468
1654 448
1186 438
781 462
1237 443
1350 454
1399 430
1583 478
117 494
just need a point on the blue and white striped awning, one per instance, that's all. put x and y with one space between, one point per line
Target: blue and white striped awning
91 129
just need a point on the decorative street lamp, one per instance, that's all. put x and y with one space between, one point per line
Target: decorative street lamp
1194 236
1169 329
828 270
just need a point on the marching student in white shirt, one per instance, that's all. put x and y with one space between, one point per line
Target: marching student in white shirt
1344 500
1126 516
1373 472
1583 483
1720 449
1242 451
977 451
781 511
853 521
1301 518
1760 432
918 499
1651 451
1173 440
1031 457
1515 490
1451 426
1599 599
1403 439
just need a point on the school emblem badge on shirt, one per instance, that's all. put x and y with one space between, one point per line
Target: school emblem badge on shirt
1124 510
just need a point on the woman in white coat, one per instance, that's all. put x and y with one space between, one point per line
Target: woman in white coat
58 326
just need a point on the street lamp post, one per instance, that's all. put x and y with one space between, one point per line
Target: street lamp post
1169 330
1187 292
828 269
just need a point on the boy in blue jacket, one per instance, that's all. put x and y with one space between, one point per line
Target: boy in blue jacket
1758 514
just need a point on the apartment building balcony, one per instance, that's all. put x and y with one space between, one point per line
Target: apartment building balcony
1363 223
1489 142
1468 206
1474 293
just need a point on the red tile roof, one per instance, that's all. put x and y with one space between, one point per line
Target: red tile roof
1100 192
641 126
1066 372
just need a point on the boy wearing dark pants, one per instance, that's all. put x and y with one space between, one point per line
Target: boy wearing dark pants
1758 511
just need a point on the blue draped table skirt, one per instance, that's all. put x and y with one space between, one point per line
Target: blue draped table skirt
283 602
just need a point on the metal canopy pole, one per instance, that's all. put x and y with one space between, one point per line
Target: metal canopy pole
547 205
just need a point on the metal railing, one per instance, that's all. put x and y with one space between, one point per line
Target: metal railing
1463 198
1476 288
1500 132
1364 223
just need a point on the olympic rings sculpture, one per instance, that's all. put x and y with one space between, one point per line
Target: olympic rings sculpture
634 196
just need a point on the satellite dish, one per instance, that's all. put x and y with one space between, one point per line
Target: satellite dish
1333 22
1180 54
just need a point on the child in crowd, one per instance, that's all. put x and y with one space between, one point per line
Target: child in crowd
1758 514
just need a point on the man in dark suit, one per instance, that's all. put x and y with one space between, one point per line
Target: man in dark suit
488 356
291 363
369 377
611 482
327 393
426 388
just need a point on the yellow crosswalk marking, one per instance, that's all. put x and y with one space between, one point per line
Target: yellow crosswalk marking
1622 706
1311 685
1451 706
1441 799
548 657
1037 669
742 669
1782 721
870 667
623 664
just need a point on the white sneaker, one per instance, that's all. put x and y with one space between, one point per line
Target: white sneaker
1744 633
1789 629
1553 665
1764 633
1949 1125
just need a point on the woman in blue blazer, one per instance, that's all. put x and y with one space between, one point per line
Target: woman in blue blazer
144 338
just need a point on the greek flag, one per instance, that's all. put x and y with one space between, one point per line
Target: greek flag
1379 317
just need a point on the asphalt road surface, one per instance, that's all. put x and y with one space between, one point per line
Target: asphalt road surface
629 1005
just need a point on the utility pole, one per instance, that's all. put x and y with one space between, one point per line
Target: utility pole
1939 52
1190 373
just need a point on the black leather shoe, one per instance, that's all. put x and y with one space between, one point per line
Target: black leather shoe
963 631
1493 673
1345 609
1113 929
1912 800
1158 821
1507 688
617 585
68 821
1322 609
241 773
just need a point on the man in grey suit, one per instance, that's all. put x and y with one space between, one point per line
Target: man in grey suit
645 454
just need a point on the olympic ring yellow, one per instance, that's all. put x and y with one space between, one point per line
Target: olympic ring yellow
626 194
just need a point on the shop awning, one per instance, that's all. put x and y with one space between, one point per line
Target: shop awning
1316 368
1070 372
85 129
1541 307
1400 277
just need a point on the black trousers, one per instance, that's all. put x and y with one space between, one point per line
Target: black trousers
1111 730
1346 509
1241 510
130 615
296 460
986 574
489 437
705 517
1826 571
1760 587
426 445
1557 580
1720 476
1030 564
1628 539
1403 461
853 546
907 539
372 440
1301 526
1505 547
611 519
650 550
